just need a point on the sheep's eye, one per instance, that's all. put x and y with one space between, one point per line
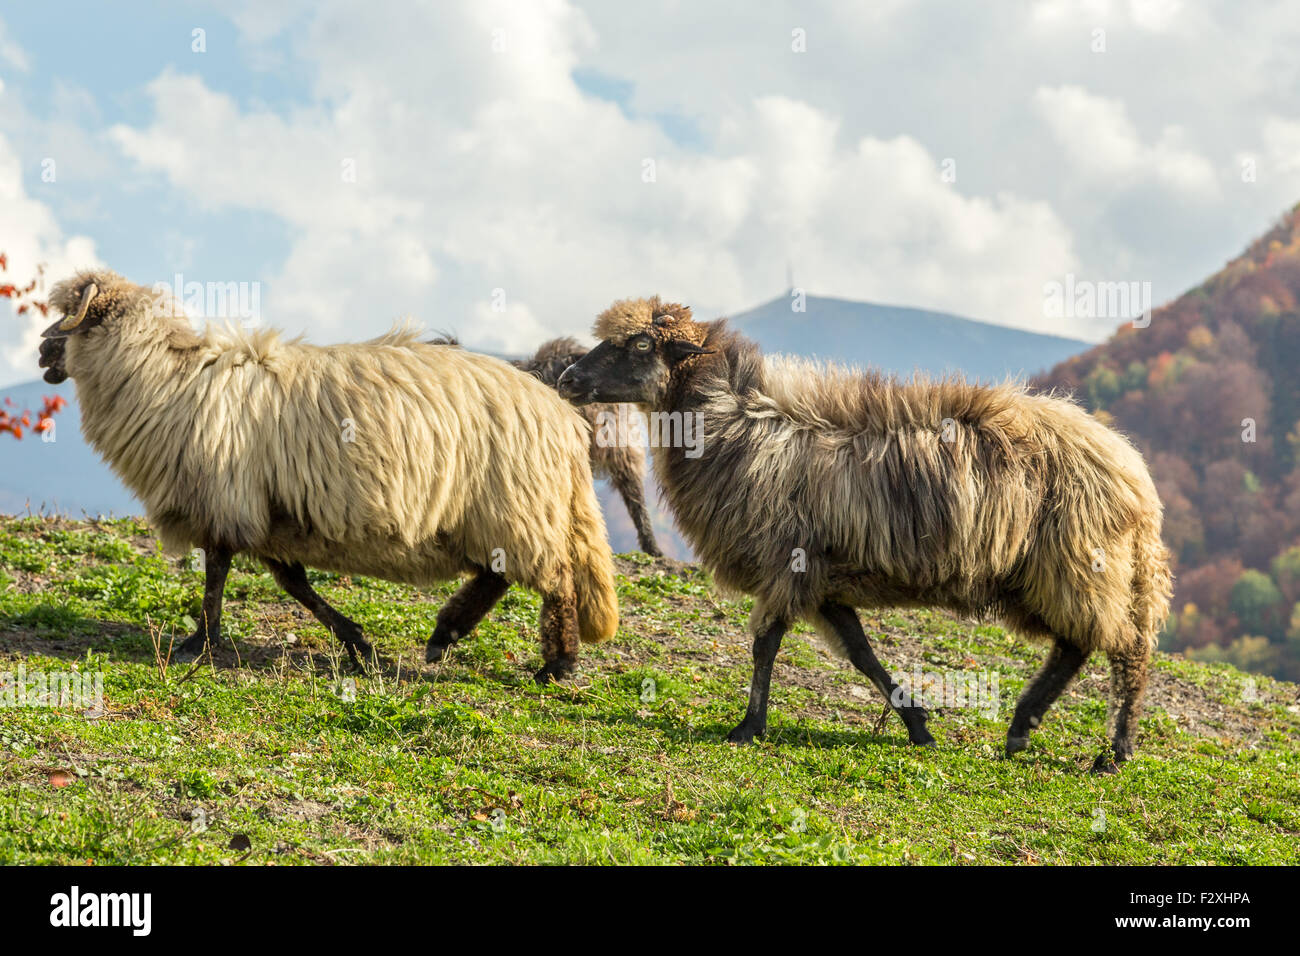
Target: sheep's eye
642 345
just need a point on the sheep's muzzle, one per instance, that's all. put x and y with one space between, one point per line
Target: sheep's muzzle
54 355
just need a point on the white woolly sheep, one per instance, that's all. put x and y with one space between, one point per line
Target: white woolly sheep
390 458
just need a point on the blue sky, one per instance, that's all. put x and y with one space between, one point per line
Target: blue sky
501 153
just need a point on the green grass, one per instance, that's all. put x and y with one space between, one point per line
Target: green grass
279 754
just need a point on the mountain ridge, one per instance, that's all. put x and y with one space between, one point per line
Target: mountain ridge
902 339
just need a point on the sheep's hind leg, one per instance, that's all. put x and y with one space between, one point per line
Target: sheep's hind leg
767 641
464 610
293 578
628 483
1063 663
1128 681
845 621
216 563
560 640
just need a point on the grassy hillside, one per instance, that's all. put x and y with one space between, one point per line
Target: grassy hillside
468 761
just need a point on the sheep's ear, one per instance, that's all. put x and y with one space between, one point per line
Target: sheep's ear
678 350
55 331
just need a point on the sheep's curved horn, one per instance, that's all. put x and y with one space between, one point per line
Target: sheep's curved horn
70 323
87 294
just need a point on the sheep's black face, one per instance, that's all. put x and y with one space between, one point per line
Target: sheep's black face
54 356
637 372
633 372
75 298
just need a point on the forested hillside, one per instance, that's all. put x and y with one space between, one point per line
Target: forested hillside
1210 392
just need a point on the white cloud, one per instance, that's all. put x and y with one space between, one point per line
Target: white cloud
511 329
11 54
1156 15
1056 11
1101 141
1282 143
31 237
478 170
874 220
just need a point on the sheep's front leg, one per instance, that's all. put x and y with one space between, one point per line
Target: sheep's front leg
293 578
207 633
767 641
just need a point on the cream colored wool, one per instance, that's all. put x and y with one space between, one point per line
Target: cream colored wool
391 458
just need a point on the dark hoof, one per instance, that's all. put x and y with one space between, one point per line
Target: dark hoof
1105 763
1016 744
434 652
191 650
924 739
555 671
364 659
744 734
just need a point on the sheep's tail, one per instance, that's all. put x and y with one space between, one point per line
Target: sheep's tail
593 567
1153 584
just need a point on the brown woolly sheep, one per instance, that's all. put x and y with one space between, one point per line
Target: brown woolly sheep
984 500
390 458
622 463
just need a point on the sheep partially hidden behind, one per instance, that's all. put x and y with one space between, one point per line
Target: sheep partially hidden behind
818 490
623 464
391 458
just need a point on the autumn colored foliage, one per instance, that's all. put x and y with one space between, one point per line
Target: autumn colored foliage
12 420
15 422
1210 393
